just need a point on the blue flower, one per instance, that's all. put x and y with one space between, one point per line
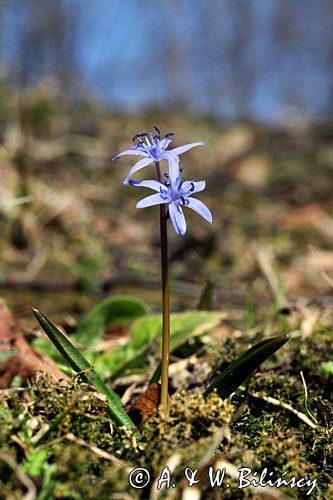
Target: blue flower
154 149
175 194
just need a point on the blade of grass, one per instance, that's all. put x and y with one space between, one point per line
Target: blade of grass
206 299
240 369
55 423
80 364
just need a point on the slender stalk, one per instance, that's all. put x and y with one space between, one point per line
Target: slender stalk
165 301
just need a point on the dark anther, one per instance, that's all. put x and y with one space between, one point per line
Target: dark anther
144 134
192 187
157 130
138 144
169 134
157 136
183 200
135 137
181 170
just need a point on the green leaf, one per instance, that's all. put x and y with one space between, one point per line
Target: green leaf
145 330
34 465
80 364
110 311
50 484
327 367
240 369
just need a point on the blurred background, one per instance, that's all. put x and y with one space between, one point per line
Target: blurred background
230 59
254 80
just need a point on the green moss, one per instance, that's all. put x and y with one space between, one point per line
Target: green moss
191 418
75 407
195 434
81 473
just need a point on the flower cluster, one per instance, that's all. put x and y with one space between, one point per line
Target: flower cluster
174 192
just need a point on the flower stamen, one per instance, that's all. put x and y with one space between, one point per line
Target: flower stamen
154 149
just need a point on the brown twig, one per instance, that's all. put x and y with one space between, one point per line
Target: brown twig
21 476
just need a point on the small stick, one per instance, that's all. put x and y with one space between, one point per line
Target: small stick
286 406
101 453
306 397
21 476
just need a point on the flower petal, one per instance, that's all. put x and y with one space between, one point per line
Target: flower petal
200 208
177 218
186 147
155 185
191 187
135 152
170 156
149 201
164 143
138 166
173 170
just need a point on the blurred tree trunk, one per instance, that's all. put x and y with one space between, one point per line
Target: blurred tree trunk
46 40
178 54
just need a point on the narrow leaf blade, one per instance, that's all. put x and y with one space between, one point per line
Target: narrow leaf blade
240 369
80 364
207 298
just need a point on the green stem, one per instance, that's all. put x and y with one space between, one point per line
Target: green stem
165 301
